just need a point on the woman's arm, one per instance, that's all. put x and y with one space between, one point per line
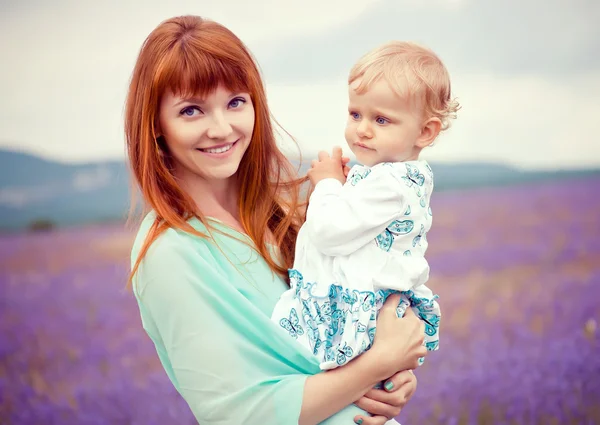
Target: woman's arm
227 359
387 403
329 392
397 346
225 356
222 353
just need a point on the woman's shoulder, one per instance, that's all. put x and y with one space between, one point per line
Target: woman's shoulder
142 233
209 244
174 252
168 243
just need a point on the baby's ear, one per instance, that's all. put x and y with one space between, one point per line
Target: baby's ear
429 132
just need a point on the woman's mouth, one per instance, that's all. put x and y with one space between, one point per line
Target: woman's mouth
216 150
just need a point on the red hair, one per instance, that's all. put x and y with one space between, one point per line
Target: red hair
193 56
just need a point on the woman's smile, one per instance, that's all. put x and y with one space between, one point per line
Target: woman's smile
218 151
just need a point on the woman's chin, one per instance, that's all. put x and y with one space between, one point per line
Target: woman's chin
223 173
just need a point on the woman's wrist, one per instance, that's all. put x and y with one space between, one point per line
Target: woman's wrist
329 392
377 362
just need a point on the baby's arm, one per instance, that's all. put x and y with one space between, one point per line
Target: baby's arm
400 272
342 219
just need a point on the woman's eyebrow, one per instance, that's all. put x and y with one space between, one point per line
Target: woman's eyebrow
189 100
200 100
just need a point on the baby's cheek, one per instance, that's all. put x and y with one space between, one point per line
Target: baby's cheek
349 132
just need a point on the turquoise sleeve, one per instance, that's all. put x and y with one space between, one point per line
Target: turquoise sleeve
230 363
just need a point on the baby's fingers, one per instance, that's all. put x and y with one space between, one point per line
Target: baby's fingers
323 156
336 153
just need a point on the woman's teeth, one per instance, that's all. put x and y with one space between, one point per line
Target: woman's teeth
218 150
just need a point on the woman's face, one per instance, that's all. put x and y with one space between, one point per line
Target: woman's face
206 137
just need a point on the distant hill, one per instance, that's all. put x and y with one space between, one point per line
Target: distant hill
33 189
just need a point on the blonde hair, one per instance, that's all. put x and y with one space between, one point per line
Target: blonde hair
413 72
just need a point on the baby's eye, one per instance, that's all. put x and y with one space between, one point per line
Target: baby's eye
381 120
188 111
355 115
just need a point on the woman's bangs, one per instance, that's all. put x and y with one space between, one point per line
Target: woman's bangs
199 74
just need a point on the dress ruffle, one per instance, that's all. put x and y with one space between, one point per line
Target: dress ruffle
340 323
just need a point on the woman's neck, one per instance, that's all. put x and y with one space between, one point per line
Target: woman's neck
215 198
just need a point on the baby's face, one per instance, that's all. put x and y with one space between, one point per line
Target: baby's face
381 127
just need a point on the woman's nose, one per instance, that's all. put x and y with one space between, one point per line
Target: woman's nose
219 127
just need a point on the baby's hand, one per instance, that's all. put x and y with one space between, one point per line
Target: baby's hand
346 168
327 167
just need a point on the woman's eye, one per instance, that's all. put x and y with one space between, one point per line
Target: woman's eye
189 111
237 102
381 120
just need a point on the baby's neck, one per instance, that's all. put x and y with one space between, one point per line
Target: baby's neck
416 158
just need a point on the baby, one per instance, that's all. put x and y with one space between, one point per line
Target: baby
365 235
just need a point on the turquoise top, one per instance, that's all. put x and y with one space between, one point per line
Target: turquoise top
206 305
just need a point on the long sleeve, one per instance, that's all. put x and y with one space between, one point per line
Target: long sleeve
227 359
217 361
341 219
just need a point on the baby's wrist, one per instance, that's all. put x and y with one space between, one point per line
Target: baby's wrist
327 182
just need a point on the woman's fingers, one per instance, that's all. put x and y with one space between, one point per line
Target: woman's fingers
402 338
379 407
370 420
410 315
391 302
398 380
407 389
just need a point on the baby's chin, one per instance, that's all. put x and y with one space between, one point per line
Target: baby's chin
369 160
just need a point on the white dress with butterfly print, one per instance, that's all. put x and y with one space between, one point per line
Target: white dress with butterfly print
361 242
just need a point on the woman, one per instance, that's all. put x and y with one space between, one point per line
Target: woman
211 258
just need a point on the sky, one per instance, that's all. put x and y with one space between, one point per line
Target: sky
527 74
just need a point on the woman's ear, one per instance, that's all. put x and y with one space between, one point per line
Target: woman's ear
159 139
429 132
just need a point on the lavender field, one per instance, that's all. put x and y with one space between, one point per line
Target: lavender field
518 274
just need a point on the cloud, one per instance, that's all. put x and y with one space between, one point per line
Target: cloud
20 197
67 65
548 38
81 181
84 181
529 122
526 73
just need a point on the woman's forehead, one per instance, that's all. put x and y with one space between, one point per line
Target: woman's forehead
189 90
201 96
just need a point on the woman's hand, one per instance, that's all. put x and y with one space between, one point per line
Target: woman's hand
387 403
398 343
328 167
